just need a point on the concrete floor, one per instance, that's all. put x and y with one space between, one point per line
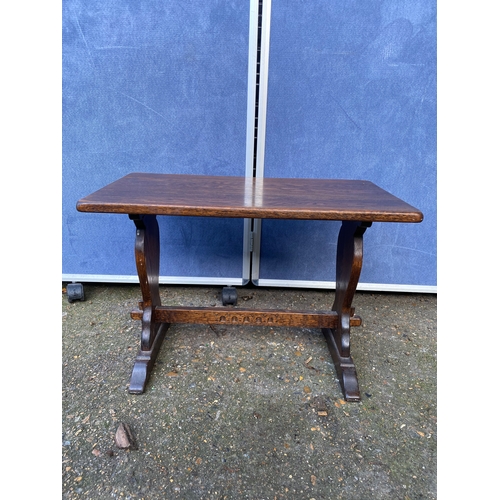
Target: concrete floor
249 412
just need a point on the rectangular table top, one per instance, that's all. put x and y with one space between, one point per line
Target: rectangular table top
260 198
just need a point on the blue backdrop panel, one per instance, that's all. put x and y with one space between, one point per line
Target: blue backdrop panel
352 94
154 87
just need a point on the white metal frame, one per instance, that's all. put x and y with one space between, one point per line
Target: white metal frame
260 155
247 231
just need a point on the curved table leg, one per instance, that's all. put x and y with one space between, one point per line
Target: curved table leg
147 259
348 270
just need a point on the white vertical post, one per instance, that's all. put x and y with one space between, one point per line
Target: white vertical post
263 81
261 130
253 49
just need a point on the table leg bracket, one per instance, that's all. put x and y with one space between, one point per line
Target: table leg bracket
145 361
344 366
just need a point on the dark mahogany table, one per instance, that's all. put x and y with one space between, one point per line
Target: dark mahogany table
356 203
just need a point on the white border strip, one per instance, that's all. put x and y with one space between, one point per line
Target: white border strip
187 280
164 280
366 287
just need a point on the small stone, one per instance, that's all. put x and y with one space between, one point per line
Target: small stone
124 438
319 403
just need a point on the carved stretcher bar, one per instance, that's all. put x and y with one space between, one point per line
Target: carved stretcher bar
356 203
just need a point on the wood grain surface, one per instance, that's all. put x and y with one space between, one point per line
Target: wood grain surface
274 198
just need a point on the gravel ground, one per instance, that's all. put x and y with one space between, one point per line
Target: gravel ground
249 412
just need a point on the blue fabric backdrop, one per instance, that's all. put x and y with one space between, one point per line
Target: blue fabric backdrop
352 94
162 87
155 87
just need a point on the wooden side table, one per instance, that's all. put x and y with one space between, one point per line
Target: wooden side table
356 203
